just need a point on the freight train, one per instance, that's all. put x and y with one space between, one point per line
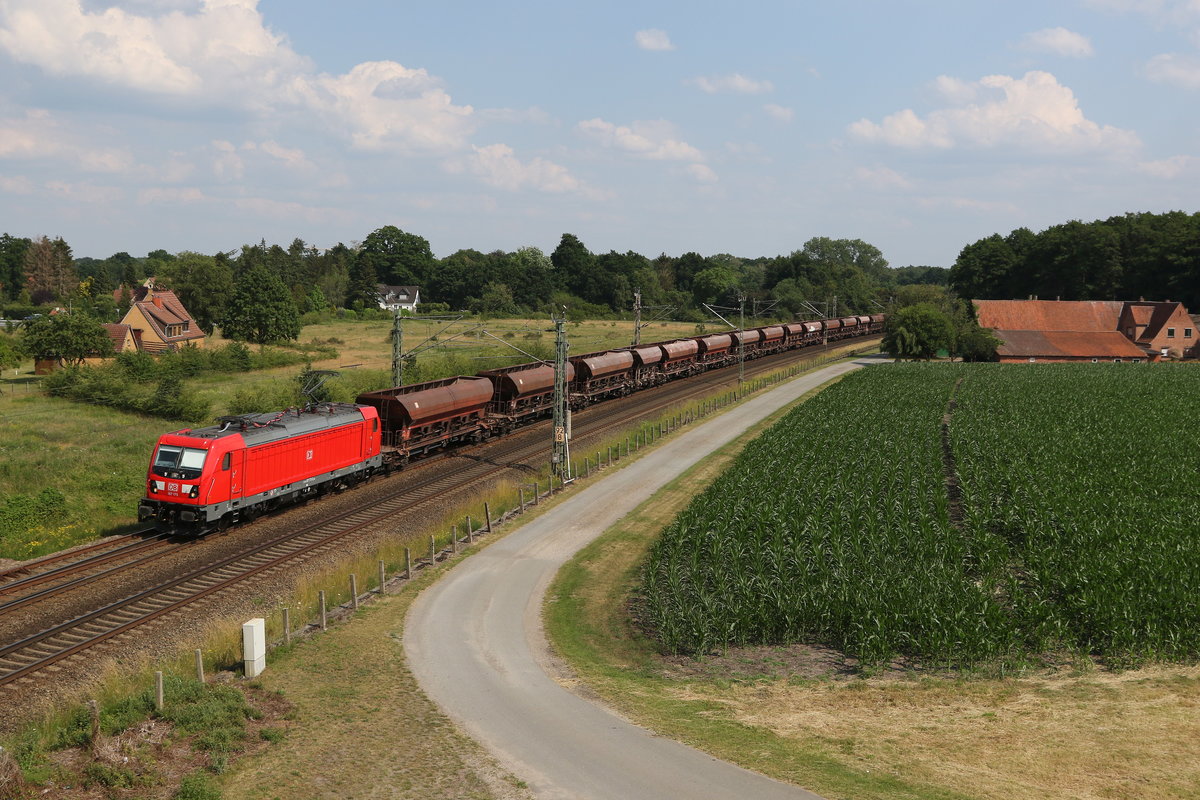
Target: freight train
206 478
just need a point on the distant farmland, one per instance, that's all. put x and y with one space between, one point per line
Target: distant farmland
1074 528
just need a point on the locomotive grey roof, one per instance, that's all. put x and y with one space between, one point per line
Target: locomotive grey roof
275 425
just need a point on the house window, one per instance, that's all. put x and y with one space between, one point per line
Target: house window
1170 333
1032 360
1116 361
1187 333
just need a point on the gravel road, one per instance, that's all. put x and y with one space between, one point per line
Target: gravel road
476 644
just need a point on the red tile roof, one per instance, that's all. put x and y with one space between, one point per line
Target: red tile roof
162 308
1067 344
117 332
1049 315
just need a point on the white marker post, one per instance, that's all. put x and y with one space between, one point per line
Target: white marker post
254 646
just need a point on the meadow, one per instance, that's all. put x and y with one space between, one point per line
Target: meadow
1076 537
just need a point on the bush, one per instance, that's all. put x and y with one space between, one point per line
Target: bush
198 785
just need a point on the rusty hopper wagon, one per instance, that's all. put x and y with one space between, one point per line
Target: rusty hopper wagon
646 364
679 358
523 392
714 349
599 375
425 416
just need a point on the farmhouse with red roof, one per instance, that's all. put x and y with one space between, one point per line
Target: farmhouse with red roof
1088 330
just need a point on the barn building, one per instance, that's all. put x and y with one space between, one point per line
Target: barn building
1089 330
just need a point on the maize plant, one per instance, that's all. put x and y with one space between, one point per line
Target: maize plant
1080 521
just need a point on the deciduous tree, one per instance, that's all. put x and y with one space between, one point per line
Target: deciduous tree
66 338
918 332
261 309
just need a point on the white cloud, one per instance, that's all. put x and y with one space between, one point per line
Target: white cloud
227 164
1058 41
498 167
781 113
533 114
735 83
882 178
291 157
16 184
1032 112
38 135
289 210
702 173
655 140
222 53
1180 70
956 90
388 106
970 204
174 196
653 39
1171 167
86 193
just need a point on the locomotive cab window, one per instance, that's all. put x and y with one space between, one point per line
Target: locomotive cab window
181 463
226 461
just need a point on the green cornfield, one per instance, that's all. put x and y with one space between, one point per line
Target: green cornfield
1079 528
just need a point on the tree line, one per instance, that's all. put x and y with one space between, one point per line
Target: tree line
1156 256
230 289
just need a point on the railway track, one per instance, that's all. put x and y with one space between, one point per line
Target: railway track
22 659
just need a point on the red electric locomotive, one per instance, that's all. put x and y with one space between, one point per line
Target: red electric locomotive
206 478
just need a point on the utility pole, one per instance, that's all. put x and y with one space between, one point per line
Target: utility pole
397 351
561 460
741 334
637 317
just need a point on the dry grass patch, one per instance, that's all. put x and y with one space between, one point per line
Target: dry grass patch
362 726
1099 735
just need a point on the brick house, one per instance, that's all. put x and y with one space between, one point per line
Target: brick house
158 321
1088 330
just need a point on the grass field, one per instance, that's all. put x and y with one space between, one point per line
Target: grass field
1077 537
95 458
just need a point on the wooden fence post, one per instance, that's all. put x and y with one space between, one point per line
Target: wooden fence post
522 487
354 591
199 665
407 564
432 552
158 691
453 538
382 576
287 625
324 615
487 513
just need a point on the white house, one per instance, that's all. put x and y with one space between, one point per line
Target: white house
398 298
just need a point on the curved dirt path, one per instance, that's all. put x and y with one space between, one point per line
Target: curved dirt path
476 644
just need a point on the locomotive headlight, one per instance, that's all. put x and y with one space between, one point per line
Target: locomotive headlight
195 492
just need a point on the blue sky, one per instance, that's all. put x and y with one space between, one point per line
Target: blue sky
743 128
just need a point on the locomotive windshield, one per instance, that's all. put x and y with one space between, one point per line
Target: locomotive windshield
172 461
